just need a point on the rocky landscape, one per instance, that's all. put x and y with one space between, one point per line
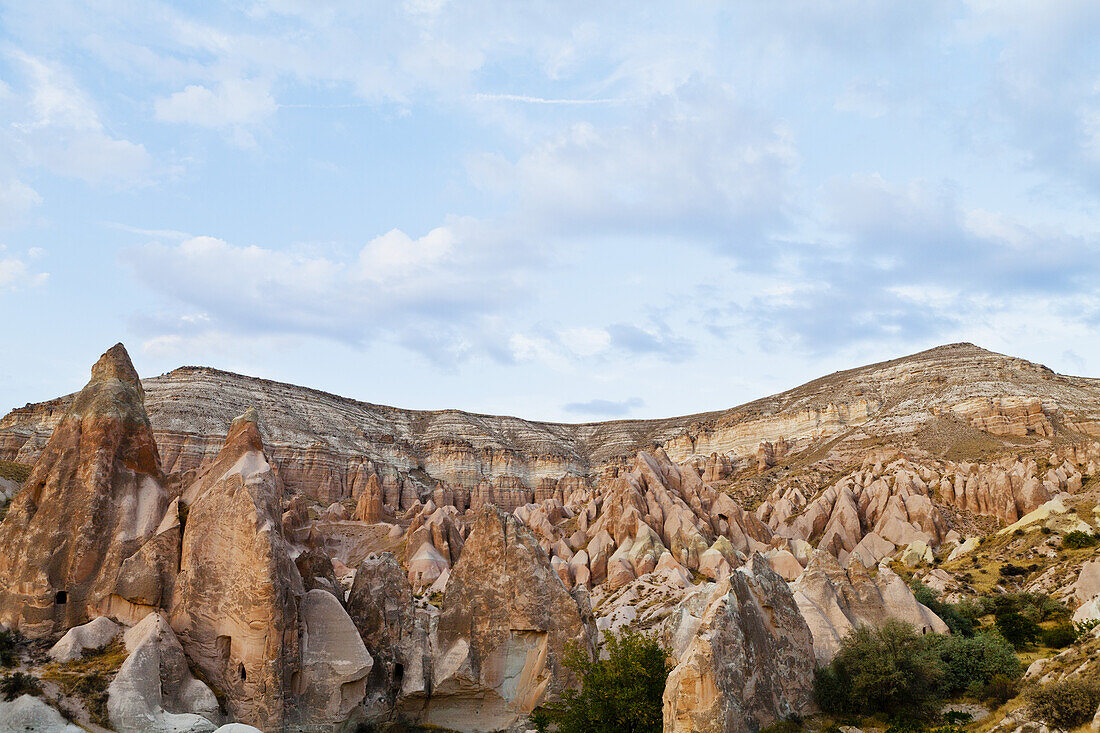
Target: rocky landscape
221 550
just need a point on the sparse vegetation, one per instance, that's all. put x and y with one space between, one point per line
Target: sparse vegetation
1077 540
13 471
1066 704
88 678
10 642
620 693
19 683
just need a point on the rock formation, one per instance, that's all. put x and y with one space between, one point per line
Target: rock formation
833 601
504 626
154 690
234 607
93 499
748 657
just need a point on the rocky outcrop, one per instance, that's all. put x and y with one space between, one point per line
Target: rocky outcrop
154 690
92 636
29 713
834 601
505 624
1014 415
93 499
382 608
335 663
234 608
744 656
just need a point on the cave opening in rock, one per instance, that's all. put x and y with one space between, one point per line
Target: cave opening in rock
241 672
61 597
398 673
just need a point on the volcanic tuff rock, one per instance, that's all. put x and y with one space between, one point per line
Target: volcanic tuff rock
834 601
92 500
501 635
234 606
748 659
154 691
329 447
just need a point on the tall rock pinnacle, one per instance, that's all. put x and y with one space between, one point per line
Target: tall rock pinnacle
92 500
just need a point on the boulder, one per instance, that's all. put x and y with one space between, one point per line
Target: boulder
96 634
317 571
503 630
94 498
29 713
234 607
154 690
749 661
335 663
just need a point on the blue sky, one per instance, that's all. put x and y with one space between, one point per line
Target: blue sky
569 211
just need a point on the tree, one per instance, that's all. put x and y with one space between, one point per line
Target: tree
970 664
619 694
1017 628
890 669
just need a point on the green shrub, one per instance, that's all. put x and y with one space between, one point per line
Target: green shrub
1083 627
890 669
620 693
972 663
1059 636
1066 704
18 683
1077 539
9 648
1017 629
997 691
958 622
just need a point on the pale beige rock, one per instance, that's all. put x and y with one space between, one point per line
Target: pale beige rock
335 662
154 690
29 713
93 499
749 661
234 607
505 623
833 601
94 635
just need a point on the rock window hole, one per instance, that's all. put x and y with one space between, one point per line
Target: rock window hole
398 673
241 672
61 597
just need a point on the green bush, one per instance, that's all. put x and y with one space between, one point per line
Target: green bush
969 664
620 693
998 690
1059 636
18 683
1017 628
960 623
890 669
1065 704
1077 539
9 648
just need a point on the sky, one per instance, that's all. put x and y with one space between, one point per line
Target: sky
560 210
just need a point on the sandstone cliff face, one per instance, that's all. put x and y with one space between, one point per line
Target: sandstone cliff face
93 499
505 622
234 606
744 656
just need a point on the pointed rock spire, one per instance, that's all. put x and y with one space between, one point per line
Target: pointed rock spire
92 500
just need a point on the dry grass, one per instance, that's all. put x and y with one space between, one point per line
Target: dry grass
87 678
13 471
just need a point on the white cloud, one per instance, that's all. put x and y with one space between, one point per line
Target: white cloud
232 102
706 167
16 275
16 198
428 292
55 124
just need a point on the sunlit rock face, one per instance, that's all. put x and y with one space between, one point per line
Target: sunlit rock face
94 498
744 655
503 631
235 606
